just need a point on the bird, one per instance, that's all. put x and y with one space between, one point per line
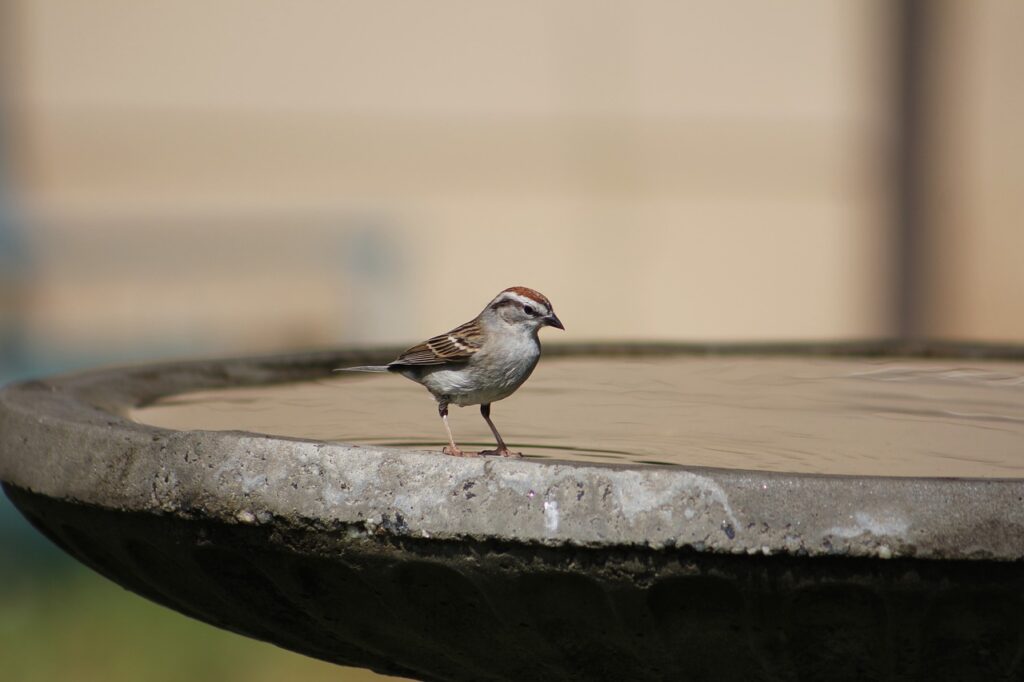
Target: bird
481 361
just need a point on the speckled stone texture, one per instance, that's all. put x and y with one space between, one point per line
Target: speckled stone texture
443 568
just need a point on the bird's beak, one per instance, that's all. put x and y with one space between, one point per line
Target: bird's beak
553 321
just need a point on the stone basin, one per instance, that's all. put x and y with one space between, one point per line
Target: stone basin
441 568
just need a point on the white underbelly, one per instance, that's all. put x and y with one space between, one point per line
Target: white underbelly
479 382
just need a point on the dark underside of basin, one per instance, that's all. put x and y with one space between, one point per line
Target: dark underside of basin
443 610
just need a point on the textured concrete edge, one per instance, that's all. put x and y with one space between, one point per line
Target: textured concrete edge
65 438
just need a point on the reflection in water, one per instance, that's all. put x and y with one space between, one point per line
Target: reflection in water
911 418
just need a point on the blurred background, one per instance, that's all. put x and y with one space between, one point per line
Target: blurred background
230 177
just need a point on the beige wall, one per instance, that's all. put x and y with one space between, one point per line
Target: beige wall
977 183
310 173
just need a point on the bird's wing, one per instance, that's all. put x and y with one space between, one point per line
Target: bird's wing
456 346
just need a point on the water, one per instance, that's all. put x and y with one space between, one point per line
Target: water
842 416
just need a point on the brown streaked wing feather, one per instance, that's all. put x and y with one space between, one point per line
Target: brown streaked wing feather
458 345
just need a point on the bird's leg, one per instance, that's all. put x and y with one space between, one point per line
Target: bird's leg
451 448
502 450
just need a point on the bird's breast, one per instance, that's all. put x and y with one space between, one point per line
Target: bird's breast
491 374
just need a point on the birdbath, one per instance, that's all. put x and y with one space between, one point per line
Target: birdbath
577 562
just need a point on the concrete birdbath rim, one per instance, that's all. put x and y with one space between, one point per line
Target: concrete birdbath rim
66 438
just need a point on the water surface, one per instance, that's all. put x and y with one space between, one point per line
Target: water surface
847 416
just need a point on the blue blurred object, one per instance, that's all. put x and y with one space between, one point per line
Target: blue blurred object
15 270
26 551
14 283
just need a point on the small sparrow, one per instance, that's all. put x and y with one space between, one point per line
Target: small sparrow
481 361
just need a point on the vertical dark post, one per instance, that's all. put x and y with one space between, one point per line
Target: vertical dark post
913 24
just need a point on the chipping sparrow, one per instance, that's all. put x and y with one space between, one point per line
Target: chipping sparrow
481 361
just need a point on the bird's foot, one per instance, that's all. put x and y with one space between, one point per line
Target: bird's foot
500 452
456 452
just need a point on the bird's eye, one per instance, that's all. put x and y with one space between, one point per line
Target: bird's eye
528 309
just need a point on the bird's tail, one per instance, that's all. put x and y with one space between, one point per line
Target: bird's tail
364 368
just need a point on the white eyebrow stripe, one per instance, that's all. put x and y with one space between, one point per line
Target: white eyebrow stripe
525 301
